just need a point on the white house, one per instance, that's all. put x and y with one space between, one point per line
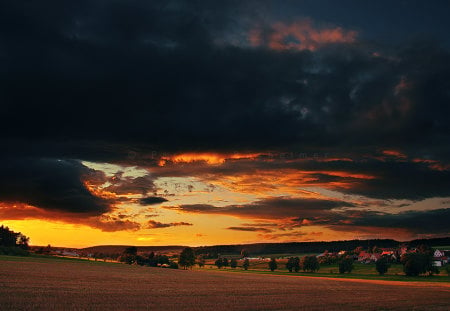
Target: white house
438 253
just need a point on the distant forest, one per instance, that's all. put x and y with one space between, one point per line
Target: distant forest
275 248
313 247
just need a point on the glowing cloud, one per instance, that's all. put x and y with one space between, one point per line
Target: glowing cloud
299 35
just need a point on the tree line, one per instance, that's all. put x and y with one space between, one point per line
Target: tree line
211 252
414 263
13 243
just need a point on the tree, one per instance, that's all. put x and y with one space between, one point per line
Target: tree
296 264
382 265
290 264
9 238
225 262
219 263
293 264
273 264
233 263
23 241
201 261
417 263
346 265
244 253
129 255
187 258
246 264
309 263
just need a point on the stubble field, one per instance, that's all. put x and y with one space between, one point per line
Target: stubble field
70 285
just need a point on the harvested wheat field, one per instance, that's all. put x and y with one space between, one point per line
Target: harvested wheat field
64 285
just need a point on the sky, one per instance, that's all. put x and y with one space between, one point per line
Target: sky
224 122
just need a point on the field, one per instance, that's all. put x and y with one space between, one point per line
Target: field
54 284
360 271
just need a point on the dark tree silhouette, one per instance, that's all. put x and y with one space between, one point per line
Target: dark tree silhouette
219 263
290 264
187 258
225 262
382 265
273 264
233 263
13 243
8 237
201 261
244 253
309 263
246 264
293 263
129 255
346 265
415 264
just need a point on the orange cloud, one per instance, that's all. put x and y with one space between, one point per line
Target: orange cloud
105 223
209 158
300 35
394 153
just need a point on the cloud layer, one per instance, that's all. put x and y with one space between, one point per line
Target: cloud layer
232 94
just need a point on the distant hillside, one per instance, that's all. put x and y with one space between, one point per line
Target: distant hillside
271 248
117 249
313 247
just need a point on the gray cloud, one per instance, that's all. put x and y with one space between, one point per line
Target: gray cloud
51 184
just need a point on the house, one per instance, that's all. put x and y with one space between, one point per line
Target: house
438 253
387 253
439 258
403 250
364 257
375 257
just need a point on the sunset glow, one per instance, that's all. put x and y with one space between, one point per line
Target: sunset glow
217 122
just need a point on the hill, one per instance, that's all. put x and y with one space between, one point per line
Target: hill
117 249
272 248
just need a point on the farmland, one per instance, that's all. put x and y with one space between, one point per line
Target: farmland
360 271
49 284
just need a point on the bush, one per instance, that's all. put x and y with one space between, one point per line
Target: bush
346 265
246 264
219 263
415 264
447 269
13 251
273 264
382 265
309 263
233 263
187 258
293 263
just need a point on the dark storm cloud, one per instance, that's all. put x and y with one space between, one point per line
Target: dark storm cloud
152 200
434 221
271 208
50 184
115 81
153 74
